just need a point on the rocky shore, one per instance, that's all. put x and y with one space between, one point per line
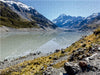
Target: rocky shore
4 29
93 60
7 63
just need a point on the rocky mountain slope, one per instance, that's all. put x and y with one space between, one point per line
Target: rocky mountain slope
81 23
91 22
11 19
67 21
15 11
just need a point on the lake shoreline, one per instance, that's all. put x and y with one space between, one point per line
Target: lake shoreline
30 55
7 63
83 47
5 29
23 43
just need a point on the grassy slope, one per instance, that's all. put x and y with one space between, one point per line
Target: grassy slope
34 66
91 39
11 19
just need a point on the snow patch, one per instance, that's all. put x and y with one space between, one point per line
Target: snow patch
17 3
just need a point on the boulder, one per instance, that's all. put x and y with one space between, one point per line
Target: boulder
55 58
69 68
62 51
34 53
80 57
83 65
84 45
98 48
50 57
81 52
36 63
73 51
83 56
87 54
39 53
57 50
96 32
89 41
81 42
42 68
5 60
51 64
48 71
71 58
98 57
90 48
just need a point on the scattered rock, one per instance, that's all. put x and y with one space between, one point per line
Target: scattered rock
84 45
98 48
55 58
42 68
70 69
5 60
81 42
48 71
83 65
34 53
36 63
80 57
57 50
89 41
62 51
50 57
96 32
98 57
51 64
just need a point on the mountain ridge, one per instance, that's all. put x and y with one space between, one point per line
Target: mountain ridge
80 23
29 14
67 20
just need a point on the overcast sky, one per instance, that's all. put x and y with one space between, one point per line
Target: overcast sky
53 8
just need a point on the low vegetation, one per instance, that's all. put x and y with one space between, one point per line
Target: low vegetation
86 41
11 19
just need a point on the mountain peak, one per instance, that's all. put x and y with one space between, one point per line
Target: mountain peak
63 15
67 20
93 16
96 14
11 0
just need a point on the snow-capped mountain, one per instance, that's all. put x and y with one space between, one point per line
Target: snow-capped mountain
91 22
19 4
90 19
79 22
29 13
67 20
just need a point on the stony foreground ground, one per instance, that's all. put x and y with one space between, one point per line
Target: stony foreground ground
94 61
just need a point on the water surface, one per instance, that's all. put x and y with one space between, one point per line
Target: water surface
14 44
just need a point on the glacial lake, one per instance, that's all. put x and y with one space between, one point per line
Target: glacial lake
15 44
